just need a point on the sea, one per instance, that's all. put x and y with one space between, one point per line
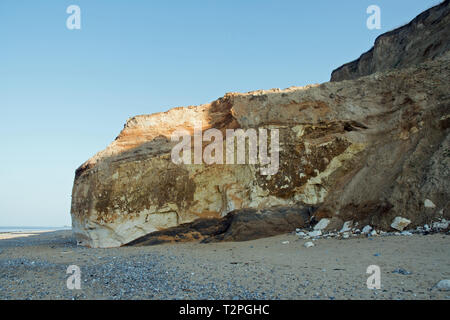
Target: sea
32 229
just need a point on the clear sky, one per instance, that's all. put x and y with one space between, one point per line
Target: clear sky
65 94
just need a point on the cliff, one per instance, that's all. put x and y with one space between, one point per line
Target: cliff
368 150
425 37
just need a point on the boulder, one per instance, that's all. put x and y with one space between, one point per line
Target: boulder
335 224
367 229
308 244
429 204
323 223
315 233
443 285
346 227
238 225
400 223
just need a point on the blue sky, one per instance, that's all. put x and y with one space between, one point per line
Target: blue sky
65 94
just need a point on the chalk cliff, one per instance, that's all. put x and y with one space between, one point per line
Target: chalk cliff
366 149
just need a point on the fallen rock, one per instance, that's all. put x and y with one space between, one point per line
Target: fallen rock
429 204
366 229
346 227
442 225
315 233
323 223
238 225
300 234
335 225
309 244
443 285
400 223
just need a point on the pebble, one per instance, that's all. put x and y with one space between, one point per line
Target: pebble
401 271
155 275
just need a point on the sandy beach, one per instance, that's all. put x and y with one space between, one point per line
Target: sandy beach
33 266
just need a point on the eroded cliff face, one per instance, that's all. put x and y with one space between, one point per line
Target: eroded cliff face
366 150
426 37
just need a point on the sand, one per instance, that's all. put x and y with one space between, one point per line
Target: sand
33 266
